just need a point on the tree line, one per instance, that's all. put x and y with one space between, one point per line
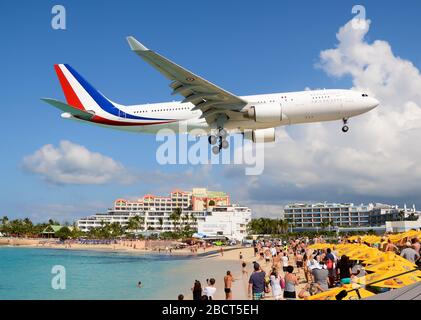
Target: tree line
26 228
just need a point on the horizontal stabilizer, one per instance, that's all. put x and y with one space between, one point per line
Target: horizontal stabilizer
81 114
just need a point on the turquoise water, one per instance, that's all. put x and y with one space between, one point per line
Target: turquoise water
25 273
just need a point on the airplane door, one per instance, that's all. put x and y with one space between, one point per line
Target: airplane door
121 114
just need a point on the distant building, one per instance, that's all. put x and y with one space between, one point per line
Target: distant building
310 217
344 216
228 221
51 230
196 206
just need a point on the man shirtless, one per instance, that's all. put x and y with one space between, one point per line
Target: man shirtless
228 280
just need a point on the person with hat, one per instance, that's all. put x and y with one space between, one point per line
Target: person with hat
256 289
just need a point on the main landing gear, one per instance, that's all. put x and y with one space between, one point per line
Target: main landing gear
345 128
219 141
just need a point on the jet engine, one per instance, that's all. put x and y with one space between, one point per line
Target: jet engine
263 135
268 112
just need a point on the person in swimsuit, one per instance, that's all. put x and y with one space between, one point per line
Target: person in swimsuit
228 280
244 270
290 282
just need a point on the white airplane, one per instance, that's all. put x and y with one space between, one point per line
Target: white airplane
205 105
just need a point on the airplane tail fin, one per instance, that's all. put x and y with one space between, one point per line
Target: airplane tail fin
78 92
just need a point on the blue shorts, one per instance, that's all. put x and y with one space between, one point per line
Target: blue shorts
346 280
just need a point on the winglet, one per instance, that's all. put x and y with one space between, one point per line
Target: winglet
136 45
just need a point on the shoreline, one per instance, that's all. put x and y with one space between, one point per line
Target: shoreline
200 265
130 247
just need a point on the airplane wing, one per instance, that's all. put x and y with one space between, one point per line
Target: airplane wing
206 96
80 114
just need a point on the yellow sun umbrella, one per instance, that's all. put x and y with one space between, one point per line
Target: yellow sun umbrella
370 255
317 246
395 281
387 256
391 266
331 294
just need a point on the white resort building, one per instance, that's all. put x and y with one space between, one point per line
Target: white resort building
199 208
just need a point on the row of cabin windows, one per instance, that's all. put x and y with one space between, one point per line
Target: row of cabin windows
321 97
159 110
270 101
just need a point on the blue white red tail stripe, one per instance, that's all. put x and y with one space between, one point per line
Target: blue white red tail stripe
82 95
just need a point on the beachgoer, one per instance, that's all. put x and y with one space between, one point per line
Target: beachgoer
244 270
329 261
416 245
197 290
275 283
268 255
180 297
210 290
139 284
305 292
344 266
228 280
320 276
391 247
299 259
285 262
409 253
256 289
290 282
241 255
221 251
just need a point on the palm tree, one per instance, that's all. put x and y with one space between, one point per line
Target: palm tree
194 220
175 217
283 226
161 223
135 223
4 220
115 229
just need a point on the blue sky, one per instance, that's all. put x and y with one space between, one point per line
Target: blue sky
246 47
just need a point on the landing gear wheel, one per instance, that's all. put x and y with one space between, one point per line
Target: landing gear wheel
215 150
224 144
345 129
212 140
223 133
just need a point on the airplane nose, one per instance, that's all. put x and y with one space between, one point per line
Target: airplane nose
373 103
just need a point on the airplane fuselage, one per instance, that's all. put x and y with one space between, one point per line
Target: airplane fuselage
296 107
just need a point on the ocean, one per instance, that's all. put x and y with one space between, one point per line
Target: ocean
26 273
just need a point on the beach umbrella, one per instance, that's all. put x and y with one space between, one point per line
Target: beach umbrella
352 295
387 256
370 255
398 265
395 281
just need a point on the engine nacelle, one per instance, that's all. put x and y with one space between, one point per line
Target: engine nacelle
268 112
263 135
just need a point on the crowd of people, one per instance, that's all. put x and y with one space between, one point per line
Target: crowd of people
280 267
291 270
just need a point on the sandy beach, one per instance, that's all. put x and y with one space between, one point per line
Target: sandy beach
204 265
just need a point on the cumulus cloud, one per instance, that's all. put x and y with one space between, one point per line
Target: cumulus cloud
377 158
70 163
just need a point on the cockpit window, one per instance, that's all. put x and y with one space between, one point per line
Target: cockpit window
365 95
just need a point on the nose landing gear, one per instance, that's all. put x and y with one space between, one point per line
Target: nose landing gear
345 128
219 141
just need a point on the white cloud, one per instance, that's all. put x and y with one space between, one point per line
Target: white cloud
378 157
70 163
